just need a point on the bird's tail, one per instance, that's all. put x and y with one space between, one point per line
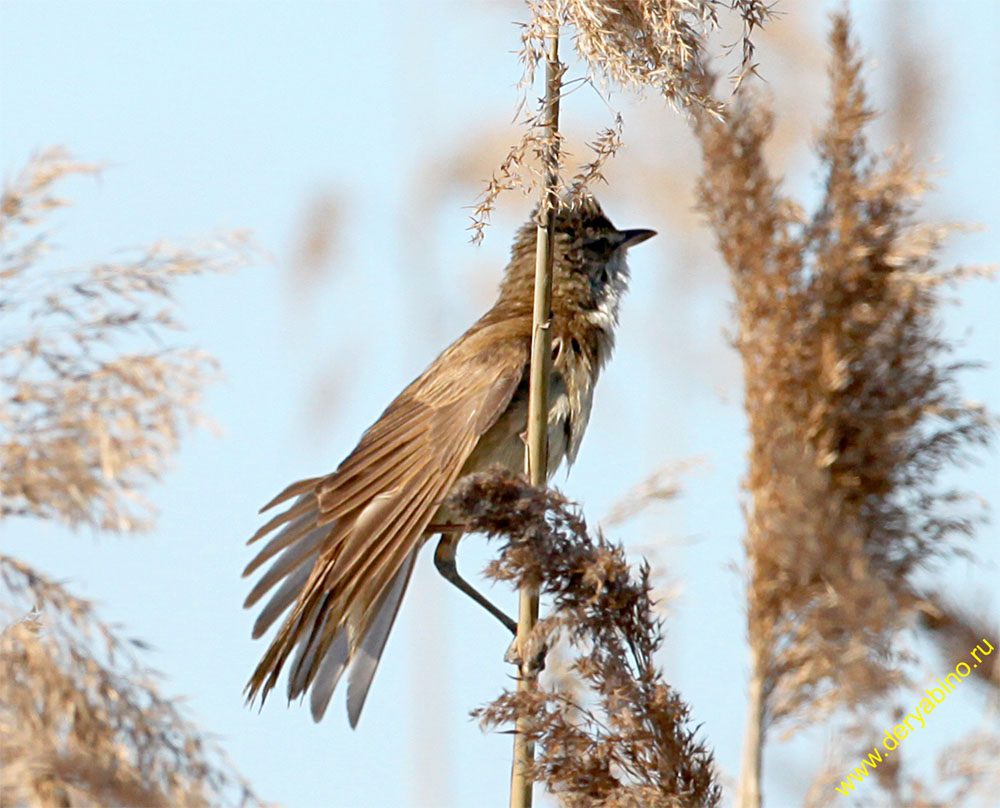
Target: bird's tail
325 641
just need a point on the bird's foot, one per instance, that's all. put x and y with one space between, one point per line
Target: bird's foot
534 650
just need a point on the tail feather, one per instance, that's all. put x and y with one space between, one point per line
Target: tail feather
302 505
293 557
365 662
327 633
337 657
283 598
346 557
288 534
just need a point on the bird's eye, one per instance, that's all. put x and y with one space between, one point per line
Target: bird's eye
598 245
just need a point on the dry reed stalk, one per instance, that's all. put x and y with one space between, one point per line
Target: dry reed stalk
654 44
852 411
536 458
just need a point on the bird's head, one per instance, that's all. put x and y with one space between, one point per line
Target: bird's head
589 269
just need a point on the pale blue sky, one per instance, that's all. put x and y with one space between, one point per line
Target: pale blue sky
213 116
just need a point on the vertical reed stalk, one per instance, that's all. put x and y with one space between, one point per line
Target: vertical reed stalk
749 794
536 454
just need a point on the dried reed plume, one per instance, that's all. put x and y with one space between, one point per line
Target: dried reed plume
656 44
91 399
955 630
661 485
91 406
964 775
852 409
83 722
84 422
629 743
315 245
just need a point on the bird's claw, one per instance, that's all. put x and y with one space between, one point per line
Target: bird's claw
535 655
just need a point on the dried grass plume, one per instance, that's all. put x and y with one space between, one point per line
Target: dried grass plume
853 407
92 398
83 722
624 739
642 44
92 403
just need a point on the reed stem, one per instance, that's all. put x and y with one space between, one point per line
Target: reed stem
536 454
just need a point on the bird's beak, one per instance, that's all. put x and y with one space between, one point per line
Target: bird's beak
632 237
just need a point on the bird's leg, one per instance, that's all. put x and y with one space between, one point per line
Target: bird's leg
444 560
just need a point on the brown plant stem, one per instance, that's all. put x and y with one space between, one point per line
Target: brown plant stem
749 794
536 454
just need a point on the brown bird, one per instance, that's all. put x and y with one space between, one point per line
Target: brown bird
349 540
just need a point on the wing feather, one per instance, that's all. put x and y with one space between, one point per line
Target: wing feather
303 505
281 600
286 563
294 490
293 531
357 530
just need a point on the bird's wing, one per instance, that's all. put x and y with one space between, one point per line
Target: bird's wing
347 542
